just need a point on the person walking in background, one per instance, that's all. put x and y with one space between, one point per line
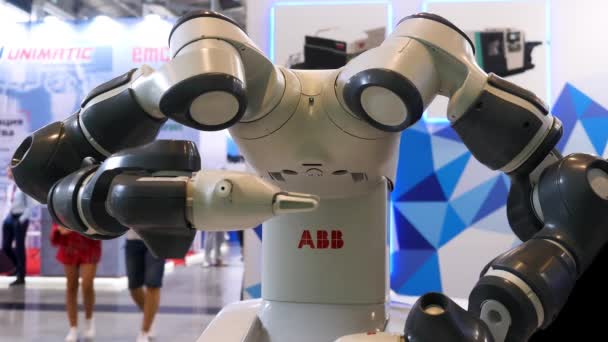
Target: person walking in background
213 249
14 227
78 254
144 269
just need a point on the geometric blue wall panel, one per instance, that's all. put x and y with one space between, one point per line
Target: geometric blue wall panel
426 214
574 107
442 191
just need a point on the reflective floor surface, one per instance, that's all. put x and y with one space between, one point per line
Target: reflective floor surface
190 298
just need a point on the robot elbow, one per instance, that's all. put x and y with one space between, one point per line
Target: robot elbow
384 98
209 93
390 93
49 155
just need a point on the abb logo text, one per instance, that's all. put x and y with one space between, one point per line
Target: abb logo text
323 240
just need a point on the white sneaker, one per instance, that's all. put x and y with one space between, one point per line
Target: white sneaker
89 330
152 331
72 335
143 337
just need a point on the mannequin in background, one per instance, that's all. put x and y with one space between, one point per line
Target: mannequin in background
213 248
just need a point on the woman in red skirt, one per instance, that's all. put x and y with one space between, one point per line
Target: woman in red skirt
77 253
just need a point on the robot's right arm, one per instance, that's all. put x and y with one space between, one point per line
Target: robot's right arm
110 119
215 78
153 188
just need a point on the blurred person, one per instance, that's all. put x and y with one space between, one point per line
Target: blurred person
77 253
144 270
14 228
213 248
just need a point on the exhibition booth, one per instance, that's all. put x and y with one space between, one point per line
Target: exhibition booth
448 214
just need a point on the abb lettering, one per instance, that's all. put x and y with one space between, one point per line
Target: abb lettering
323 240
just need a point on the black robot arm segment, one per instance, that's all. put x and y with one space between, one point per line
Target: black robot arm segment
110 119
523 218
435 317
572 203
571 200
531 283
159 191
142 188
508 128
528 286
521 291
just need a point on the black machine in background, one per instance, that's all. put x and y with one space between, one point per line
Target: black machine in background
504 52
333 48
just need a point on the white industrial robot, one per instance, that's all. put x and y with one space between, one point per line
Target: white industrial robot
333 134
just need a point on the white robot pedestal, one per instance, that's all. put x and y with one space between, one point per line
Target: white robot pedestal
321 288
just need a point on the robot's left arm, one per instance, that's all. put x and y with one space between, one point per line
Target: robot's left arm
556 205
506 127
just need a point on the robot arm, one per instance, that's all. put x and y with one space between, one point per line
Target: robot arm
155 188
524 289
556 205
216 77
111 118
506 127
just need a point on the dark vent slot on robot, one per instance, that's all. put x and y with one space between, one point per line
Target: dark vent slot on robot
359 177
276 176
312 165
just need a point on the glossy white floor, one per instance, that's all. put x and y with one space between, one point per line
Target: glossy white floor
191 297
